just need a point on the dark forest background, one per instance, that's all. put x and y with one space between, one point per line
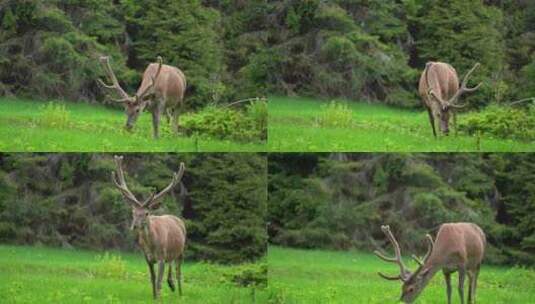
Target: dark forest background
229 49
69 200
339 201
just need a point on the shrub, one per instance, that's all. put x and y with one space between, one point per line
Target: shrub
110 266
258 112
223 123
502 122
54 115
248 275
337 115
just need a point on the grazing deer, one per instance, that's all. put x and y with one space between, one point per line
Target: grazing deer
162 90
458 247
162 238
440 91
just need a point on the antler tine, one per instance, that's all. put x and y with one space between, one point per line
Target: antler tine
404 273
105 62
430 246
149 199
391 278
121 184
463 89
153 78
176 179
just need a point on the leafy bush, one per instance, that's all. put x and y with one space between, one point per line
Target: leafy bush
54 115
503 122
334 114
225 123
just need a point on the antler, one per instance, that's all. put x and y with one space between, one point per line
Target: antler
154 198
463 89
153 79
404 273
430 245
105 62
121 184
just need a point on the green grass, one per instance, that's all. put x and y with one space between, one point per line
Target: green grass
95 128
377 128
46 275
315 276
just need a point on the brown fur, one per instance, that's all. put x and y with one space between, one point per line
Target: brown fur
459 247
162 238
162 90
443 80
439 89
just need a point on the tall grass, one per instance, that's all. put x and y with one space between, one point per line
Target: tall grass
315 276
46 275
77 127
293 127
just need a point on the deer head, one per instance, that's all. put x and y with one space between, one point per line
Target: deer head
413 282
135 104
141 211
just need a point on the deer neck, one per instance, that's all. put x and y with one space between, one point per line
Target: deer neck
145 235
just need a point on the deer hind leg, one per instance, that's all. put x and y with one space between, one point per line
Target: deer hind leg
176 114
170 281
178 265
168 114
476 274
461 284
432 122
447 278
161 270
470 274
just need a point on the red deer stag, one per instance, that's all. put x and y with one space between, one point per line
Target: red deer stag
162 238
162 89
458 247
440 92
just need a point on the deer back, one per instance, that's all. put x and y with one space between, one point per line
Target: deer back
458 244
171 83
439 77
165 239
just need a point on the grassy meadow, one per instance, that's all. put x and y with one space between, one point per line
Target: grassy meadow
293 127
315 276
46 275
28 126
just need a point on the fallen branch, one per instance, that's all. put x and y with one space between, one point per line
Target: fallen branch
532 99
244 100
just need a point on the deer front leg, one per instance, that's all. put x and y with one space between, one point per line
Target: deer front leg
461 284
155 122
447 278
161 270
432 122
152 278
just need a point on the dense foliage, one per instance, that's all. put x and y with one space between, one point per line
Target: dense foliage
51 48
359 49
69 200
375 50
339 201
